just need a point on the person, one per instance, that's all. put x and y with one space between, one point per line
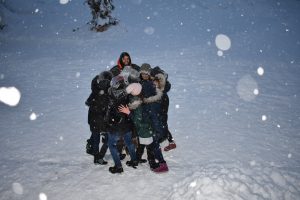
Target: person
123 61
143 126
119 125
98 103
152 111
161 78
129 73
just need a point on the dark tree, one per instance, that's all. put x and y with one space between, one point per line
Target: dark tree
101 11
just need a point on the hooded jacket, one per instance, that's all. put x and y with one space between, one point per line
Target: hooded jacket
142 125
117 121
98 102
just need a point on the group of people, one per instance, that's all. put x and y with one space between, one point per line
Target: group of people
128 109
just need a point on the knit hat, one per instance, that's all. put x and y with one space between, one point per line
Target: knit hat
134 89
145 69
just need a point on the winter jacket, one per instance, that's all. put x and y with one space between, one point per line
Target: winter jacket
164 86
116 70
142 125
117 121
98 103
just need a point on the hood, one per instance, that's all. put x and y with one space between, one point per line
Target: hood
120 63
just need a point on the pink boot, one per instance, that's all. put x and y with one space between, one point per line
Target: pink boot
163 167
171 146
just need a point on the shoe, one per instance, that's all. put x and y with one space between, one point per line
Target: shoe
142 160
132 164
115 170
163 167
100 161
122 156
171 146
153 165
88 147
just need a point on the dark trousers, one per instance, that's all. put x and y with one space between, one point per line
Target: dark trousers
95 142
164 117
140 151
153 152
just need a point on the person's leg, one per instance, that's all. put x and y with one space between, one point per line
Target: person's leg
130 146
151 158
95 140
112 145
163 167
120 147
139 153
98 158
154 146
104 146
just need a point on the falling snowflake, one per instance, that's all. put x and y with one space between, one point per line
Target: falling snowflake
260 71
17 188
42 196
63 1
33 116
177 106
77 74
149 30
220 53
10 96
264 117
223 42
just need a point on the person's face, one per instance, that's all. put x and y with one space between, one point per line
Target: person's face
125 60
145 76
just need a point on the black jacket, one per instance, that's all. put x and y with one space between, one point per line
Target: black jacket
98 102
117 121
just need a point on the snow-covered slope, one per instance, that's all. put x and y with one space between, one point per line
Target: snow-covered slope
236 127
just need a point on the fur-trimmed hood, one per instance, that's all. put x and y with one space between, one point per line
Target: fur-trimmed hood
135 103
155 98
161 81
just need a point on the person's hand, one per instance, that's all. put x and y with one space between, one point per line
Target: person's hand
124 109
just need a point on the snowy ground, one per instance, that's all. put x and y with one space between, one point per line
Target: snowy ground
237 128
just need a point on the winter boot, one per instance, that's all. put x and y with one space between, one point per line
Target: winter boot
171 146
132 163
142 160
163 167
98 160
153 164
115 170
89 149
